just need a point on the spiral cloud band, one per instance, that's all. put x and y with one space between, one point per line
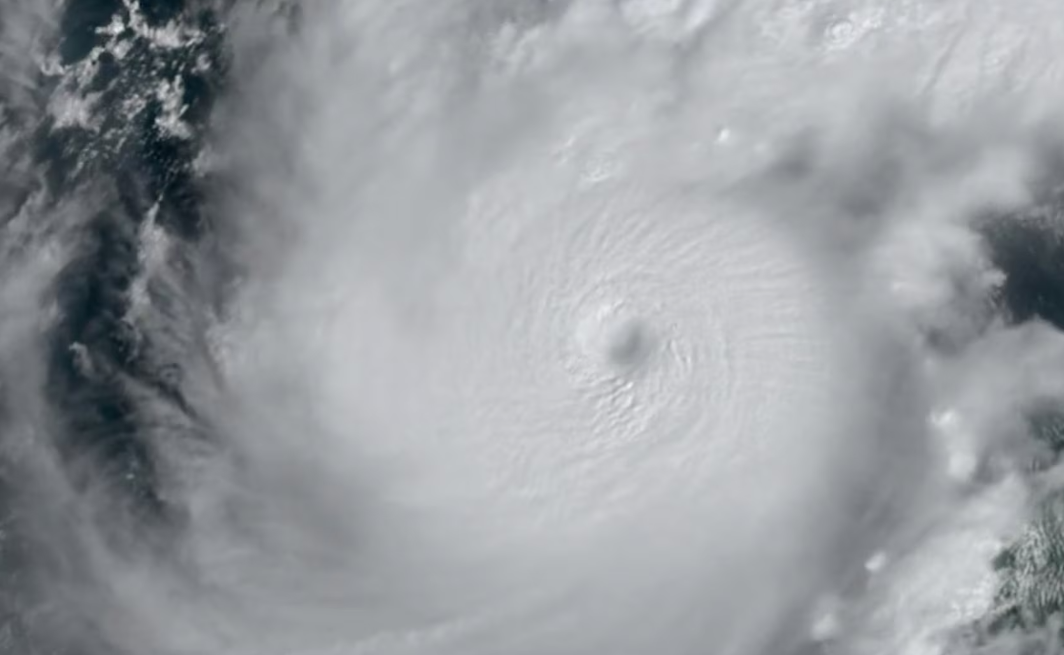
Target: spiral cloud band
613 377
560 327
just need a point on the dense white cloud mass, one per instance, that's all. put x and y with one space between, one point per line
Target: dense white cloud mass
571 328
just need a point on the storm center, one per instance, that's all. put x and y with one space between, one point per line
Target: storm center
616 339
626 342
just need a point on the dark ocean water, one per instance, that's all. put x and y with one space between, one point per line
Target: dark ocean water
106 362
110 367
147 172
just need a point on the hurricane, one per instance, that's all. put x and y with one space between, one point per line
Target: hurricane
531 327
